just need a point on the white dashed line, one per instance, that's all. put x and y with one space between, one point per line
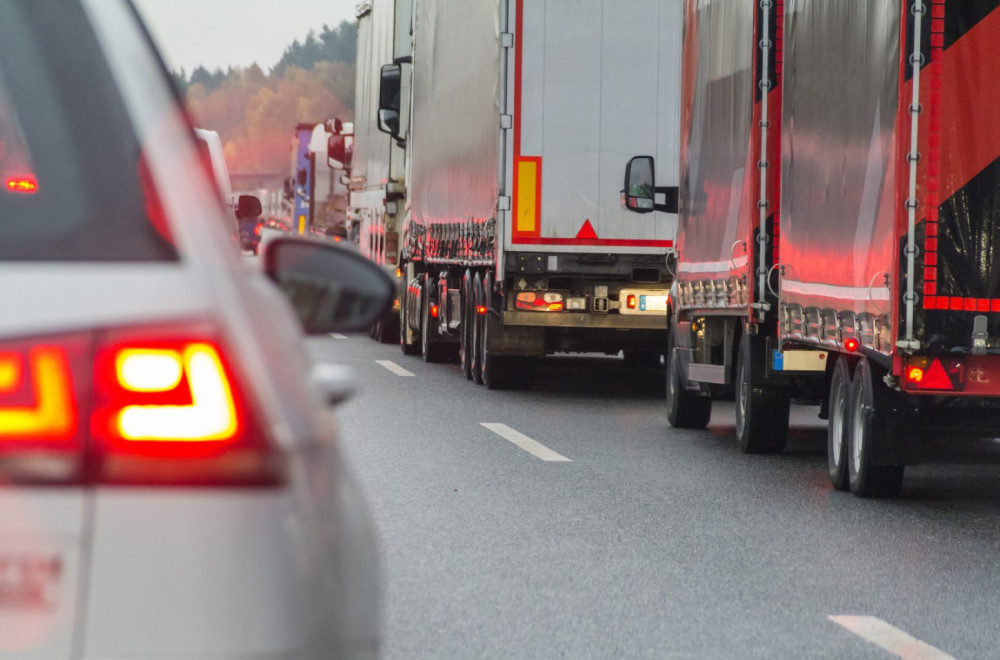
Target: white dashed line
534 448
394 368
337 335
892 639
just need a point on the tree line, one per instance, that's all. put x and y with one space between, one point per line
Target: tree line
255 113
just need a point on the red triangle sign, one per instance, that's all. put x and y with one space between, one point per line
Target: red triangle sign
936 378
587 230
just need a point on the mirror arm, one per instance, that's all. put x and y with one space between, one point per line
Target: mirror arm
671 194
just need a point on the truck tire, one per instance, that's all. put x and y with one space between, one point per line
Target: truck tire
465 351
870 414
386 330
838 423
685 409
407 342
477 330
761 410
434 351
499 372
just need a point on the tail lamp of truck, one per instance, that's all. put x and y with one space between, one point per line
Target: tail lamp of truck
153 408
539 301
932 374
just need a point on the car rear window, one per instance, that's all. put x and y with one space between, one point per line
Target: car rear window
71 165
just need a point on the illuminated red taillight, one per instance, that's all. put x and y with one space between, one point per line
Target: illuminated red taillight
41 440
481 309
256 230
630 301
933 374
172 411
852 344
435 310
22 184
151 407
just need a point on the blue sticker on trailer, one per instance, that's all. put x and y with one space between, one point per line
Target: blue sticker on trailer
777 361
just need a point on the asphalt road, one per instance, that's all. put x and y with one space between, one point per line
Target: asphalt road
617 536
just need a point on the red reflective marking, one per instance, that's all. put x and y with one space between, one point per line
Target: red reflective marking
587 231
936 378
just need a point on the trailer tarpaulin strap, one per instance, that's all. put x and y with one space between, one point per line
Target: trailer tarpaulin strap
959 183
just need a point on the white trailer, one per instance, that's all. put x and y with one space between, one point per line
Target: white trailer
521 113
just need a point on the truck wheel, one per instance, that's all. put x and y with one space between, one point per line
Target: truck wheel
386 330
685 409
761 410
498 371
434 351
477 330
869 422
465 351
836 430
406 338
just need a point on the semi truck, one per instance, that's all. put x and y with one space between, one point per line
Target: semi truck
514 118
378 169
839 226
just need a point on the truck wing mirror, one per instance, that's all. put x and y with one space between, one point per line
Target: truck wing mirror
640 176
248 206
389 92
640 192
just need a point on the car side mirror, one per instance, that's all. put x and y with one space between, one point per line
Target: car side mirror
331 288
248 206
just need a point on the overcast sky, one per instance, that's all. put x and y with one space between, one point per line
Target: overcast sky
223 33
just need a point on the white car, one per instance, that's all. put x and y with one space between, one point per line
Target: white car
170 479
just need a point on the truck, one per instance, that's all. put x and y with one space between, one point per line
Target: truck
515 117
377 178
839 217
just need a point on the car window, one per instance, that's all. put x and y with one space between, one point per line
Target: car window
71 164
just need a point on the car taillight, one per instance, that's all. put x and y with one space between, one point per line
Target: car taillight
150 407
172 411
41 384
22 184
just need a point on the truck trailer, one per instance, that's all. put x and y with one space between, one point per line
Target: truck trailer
515 116
839 234
378 168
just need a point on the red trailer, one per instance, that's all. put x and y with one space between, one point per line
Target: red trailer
839 234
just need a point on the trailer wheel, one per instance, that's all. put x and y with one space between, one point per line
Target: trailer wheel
477 330
869 423
685 409
434 351
406 339
465 350
837 426
761 410
385 331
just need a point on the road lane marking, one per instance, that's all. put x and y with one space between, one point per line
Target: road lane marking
337 335
534 448
892 639
394 368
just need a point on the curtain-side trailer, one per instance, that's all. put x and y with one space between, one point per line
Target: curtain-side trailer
377 178
515 246
866 276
